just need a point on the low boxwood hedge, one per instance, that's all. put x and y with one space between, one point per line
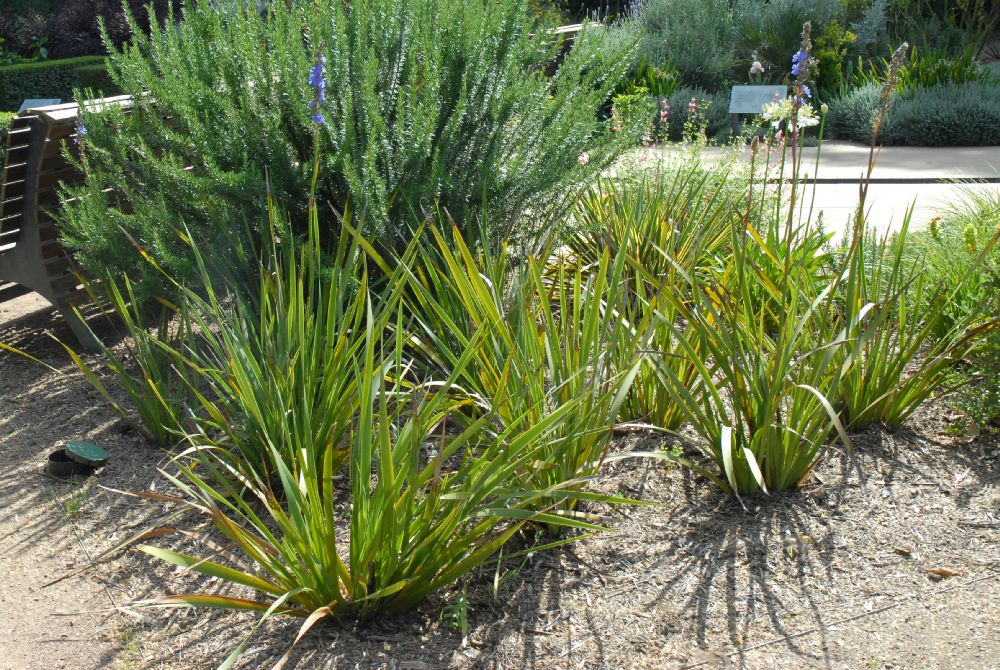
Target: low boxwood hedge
52 79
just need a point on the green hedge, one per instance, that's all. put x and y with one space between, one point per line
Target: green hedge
5 119
52 79
935 116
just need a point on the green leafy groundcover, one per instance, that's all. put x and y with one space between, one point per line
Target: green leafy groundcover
945 115
52 79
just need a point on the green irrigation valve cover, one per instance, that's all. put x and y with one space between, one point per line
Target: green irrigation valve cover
86 453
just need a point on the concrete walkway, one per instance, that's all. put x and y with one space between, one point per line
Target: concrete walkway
924 177
848 161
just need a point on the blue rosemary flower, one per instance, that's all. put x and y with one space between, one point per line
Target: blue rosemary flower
81 133
317 73
317 80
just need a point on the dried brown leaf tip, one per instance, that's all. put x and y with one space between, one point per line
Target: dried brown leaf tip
942 572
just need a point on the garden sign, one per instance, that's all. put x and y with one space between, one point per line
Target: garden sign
751 99
31 103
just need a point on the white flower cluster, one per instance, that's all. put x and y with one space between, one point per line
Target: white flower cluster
781 110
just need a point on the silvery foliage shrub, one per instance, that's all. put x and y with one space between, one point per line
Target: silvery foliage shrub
693 37
853 113
944 115
428 103
712 42
872 30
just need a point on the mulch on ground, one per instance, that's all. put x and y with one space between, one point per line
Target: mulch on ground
887 557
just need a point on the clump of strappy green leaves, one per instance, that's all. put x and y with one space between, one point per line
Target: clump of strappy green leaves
362 446
768 342
367 428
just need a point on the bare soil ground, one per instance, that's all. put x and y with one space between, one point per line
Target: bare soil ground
838 575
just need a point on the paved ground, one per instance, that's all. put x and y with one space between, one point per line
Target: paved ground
903 176
849 160
895 181
887 203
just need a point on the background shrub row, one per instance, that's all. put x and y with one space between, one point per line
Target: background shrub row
936 116
52 79
71 28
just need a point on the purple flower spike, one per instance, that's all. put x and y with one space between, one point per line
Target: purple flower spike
317 80
316 74
798 60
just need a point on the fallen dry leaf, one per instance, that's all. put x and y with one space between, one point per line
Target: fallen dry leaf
942 572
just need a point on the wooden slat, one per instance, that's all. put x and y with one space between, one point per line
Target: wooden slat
68 286
55 162
23 121
17 155
15 172
11 206
49 178
48 196
49 232
54 266
52 148
63 130
13 189
18 134
52 249
10 219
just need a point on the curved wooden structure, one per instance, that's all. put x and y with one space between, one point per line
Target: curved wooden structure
34 167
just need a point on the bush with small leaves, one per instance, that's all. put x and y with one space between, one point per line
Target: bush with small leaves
424 102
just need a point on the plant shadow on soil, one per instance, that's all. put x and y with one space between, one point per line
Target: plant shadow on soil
52 528
701 579
696 578
35 402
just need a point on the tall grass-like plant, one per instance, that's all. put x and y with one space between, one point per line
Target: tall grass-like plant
435 487
760 334
892 314
661 222
280 366
898 360
421 102
425 505
947 251
764 409
160 387
543 336
260 373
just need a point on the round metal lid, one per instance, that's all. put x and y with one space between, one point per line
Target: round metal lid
87 453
